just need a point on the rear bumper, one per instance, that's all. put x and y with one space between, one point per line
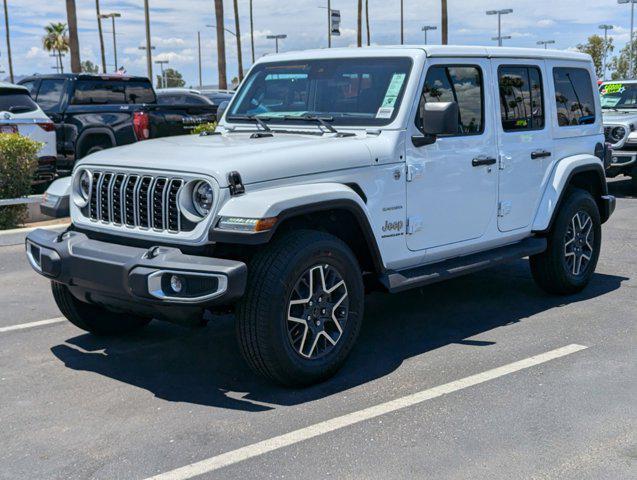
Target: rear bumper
117 275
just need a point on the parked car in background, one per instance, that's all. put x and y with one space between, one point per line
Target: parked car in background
55 202
217 97
20 114
97 112
196 104
619 102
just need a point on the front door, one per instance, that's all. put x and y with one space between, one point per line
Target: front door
452 184
524 140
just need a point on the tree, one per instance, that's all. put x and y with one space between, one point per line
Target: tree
56 40
359 31
595 48
173 79
367 22
74 43
621 64
89 67
237 27
221 45
445 22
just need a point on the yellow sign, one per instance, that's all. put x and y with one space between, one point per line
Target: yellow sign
611 88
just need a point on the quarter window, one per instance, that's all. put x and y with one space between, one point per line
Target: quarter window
574 97
50 94
521 98
460 84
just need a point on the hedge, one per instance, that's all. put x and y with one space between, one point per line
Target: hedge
18 163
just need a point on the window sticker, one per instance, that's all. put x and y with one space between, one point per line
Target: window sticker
385 112
393 90
611 88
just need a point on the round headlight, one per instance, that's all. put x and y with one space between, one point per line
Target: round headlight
202 198
82 186
617 134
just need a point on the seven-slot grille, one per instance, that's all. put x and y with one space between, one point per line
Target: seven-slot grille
132 200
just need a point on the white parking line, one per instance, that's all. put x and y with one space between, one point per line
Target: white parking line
275 443
23 326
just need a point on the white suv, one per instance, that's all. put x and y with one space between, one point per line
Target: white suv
333 172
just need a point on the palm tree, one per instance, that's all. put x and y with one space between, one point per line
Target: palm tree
221 45
101 35
359 33
56 40
445 23
238 35
251 31
74 43
367 22
6 24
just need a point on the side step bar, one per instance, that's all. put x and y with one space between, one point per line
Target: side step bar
456 267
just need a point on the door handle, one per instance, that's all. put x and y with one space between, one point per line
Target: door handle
540 154
481 161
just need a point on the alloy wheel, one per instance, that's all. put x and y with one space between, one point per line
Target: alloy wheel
578 243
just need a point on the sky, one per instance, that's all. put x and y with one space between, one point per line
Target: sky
174 26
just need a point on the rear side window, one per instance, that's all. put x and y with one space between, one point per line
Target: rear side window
31 85
460 84
106 92
521 98
574 97
16 102
50 94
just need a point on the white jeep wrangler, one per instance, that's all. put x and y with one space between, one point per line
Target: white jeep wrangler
332 172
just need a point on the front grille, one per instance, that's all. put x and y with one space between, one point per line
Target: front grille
131 200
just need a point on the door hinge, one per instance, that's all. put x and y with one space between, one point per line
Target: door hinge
414 172
504 208
504 161
414 224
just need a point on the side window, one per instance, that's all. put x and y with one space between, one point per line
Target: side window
31 85
50 94
574 97
521 98
460 84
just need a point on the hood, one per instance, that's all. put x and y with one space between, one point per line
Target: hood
256 159
620 117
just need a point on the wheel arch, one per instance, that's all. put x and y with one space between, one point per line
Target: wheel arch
91 133
580 171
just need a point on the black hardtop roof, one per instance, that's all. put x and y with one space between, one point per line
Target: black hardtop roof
85 76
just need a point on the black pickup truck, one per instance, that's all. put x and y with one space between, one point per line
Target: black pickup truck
96 112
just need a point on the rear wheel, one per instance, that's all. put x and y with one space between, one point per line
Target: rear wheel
92 318
574 242
302 310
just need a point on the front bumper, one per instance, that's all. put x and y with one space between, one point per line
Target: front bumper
124 277
622 158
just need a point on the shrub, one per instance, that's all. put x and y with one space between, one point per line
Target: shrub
18 163
204 127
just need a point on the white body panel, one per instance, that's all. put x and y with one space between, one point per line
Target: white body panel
456 203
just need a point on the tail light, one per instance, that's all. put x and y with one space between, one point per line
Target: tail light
141 125
47 126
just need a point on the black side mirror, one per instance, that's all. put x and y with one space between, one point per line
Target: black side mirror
437 118
222 109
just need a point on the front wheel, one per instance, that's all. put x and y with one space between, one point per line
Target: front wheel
574 243
302 310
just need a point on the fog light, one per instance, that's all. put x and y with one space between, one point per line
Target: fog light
176 283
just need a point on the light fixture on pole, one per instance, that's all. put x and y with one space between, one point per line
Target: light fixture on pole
276 39
606 28
161 64
499 13
546 43
630 42
199 50
428 28
113 16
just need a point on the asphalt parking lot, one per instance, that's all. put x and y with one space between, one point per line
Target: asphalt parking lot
484 377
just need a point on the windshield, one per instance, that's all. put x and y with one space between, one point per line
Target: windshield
619 95
351 91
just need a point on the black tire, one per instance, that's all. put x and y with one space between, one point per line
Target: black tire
262 324
551 269
96 148
92 318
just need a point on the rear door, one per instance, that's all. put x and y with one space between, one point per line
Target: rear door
452 184
524 140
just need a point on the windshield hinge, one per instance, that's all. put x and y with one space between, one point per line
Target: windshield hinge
414 172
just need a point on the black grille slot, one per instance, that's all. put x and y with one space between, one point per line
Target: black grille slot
104 197
92 208
158 203
129 200
143 202
117 194
173 215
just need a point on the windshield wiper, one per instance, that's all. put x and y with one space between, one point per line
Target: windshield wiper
322 121
253 118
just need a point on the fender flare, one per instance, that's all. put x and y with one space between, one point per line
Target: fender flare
88 131
556 188
294 201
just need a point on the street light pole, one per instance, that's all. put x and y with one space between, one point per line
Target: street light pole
546 43
199 49
276 39
426 29
6 24
630 42
101 35
499 13
149 48
402 22
161 64
113 16
329 24
606 28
